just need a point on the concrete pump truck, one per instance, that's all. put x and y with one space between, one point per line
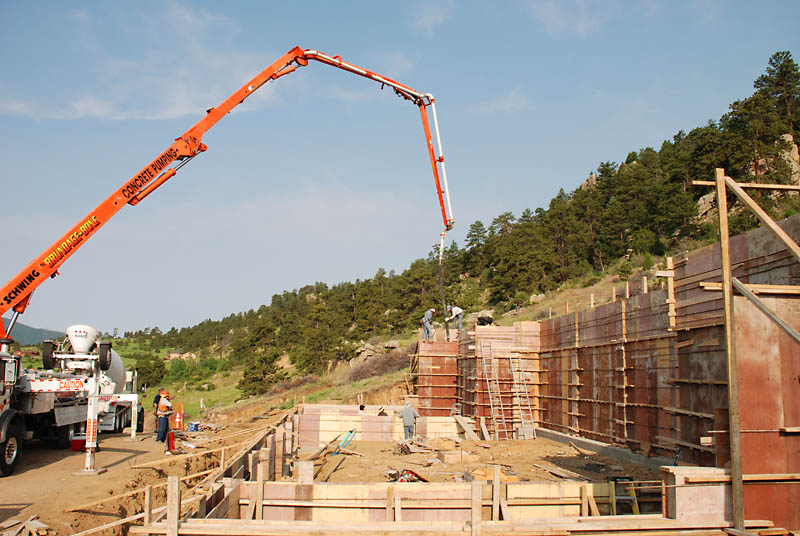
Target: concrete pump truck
84 378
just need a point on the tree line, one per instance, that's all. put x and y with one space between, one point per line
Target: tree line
645 205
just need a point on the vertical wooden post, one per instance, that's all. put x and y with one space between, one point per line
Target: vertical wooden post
305 472
173 505
644 284
148 504
737 486
222 458
584 500
390 503
671 292
262 471
260 500
550 313
613 294
496 494
476 504
627 290
591 300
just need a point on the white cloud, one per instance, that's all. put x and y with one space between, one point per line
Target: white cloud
513 101
580 17
432 14
168 75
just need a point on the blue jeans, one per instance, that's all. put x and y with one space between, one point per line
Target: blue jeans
409 431
163 428
459 319
427 331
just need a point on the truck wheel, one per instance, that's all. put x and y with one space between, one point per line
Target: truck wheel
119 422
9 452
105 355
64 436
47 355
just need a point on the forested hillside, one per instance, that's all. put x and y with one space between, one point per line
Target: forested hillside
644 206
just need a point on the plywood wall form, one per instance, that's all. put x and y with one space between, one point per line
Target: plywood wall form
436 373
768 366
320 423
649 372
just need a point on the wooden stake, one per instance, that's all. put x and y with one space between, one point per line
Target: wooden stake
148 504
173 505
477 500
496 494
737 486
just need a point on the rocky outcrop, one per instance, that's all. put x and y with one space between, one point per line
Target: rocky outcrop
792 158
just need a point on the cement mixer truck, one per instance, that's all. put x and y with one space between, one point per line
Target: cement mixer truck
52 404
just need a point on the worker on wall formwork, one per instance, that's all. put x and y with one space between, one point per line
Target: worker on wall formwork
427 329
456 315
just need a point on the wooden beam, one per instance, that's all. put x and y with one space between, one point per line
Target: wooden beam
475 510
756 185
761 306
173 505
468 431
756 288
737 486
768 222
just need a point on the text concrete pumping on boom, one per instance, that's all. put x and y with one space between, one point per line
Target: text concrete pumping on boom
16 294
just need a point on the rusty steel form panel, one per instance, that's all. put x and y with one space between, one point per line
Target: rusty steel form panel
649 364
769 370
437 378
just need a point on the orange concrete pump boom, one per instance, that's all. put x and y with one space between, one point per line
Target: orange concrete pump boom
16 294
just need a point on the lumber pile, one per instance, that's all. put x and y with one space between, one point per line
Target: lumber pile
29 527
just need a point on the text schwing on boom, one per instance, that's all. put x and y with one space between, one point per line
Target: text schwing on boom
16 294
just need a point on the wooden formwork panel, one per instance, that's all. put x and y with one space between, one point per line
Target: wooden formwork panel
769 390
437 378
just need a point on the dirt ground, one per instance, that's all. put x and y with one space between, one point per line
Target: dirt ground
475 458
44 483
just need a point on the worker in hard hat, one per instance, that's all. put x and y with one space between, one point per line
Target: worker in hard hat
156 399
457 316
163 413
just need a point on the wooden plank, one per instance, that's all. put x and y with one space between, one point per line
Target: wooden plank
134 492
173 505
475 510
761 306
468 431
757 185
496 494
485 430
682 411
757 288
148 504
390 503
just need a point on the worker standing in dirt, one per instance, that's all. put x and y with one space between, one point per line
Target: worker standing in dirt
457 316
427 330
164 411
409 415
155 407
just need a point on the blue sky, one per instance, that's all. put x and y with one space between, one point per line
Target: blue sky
321 176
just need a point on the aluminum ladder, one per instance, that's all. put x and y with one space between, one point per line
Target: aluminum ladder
527 424
493 387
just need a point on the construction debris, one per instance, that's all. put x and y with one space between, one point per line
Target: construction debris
29 527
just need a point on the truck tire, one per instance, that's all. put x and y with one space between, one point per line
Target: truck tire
9 452
105 355
119 422
47 355
64 436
